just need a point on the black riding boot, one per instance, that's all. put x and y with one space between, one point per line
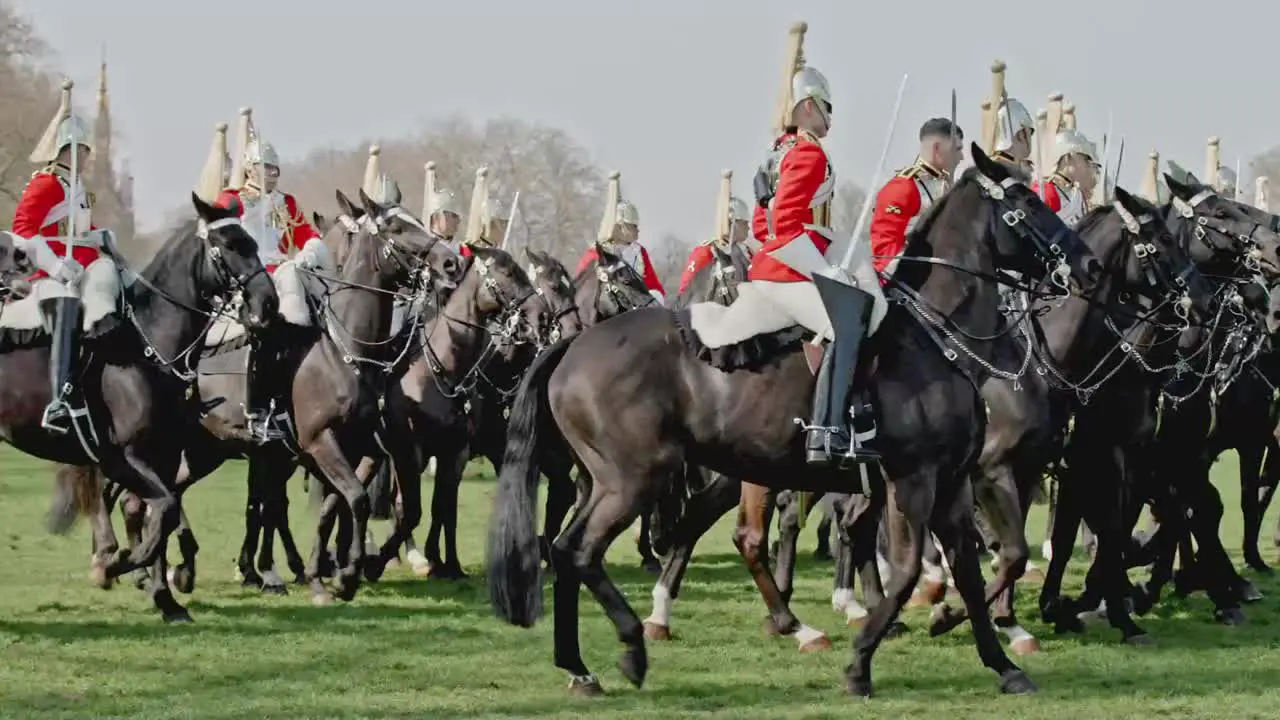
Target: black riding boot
62 317
830 441
261 390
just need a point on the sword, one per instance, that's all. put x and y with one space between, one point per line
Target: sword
955 135
1115 175
874 187
1237 194
506 235
73 184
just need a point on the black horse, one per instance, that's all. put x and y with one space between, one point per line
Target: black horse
636 403
136 385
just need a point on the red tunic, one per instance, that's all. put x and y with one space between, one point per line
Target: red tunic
42 211
801 173
896 204
650 277
1052 197
296 235
698 259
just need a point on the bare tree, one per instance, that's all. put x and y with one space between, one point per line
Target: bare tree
668 256
561 188
28 97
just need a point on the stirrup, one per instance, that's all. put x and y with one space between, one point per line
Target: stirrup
55 411
260 426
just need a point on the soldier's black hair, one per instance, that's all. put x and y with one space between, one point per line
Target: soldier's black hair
939 127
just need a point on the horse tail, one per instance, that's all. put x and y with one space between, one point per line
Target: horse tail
514 561
77 493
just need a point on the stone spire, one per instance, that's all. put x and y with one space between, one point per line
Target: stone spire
102 157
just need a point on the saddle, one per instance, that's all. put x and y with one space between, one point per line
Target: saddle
752 353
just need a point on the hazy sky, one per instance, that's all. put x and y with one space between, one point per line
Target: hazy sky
667 91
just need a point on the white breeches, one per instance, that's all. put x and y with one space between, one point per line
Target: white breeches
293 296
99 290
800 302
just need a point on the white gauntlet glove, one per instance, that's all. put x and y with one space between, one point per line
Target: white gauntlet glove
658 296
313 255
43 258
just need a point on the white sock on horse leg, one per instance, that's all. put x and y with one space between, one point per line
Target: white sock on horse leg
662 601
806 635
840 599
854 611
416 558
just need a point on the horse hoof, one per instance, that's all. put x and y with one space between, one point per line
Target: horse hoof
275 590
634 665
373 568
98 577
928 594
819 644
393 563
1033 574
857 687
586 686
1230 616
446 571
251 581
1249 592
654 631
823 555
321 599
1025 646
184 579
178 617
1016 682
943 620
422 570
857 623
652 566
1141 640
896 630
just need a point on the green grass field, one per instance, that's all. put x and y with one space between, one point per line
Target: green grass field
414 648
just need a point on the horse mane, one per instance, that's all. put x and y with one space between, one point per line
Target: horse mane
169 258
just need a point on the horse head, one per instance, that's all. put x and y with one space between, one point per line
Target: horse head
1232 238
610 286
1156 265
1022 221
552 281
496 293
233 265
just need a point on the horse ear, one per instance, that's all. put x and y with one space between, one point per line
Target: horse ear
985 164
1180 191
531 256
370 207
203 210
346 206
321 222
1124 198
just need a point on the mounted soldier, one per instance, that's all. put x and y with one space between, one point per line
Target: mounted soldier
441 211
619 234
1074 173
1008 129
379 186
485 226
794 190
730 238
902 201
276 222
77 284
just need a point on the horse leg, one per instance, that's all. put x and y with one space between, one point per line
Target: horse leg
752 540
704 509
328 456
953 526
789 519
444 515
933 587
842 596
319 565
826 521
406 462
1223 584
184 575
270 472
561 493
644 542
249 577
105 543
281 506
1003 508
577 556
1251 455
1054 608
1105 512
134 513
1046 547
906 515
